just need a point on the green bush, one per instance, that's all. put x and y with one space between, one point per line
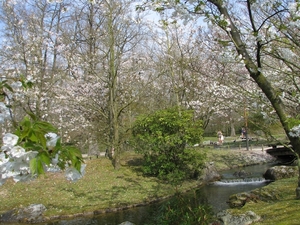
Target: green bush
162 138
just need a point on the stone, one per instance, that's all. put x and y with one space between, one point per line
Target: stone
31 214
240 199
241 174
280 172
242 219
206 142
210 173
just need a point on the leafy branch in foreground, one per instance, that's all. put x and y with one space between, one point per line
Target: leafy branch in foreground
35 148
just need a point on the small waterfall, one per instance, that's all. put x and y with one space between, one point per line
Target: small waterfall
241 181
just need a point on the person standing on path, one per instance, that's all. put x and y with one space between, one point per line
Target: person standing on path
221 137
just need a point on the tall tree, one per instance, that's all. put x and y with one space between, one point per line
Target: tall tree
248 25
31 50
106 33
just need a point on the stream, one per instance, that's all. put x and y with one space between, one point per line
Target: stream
215 195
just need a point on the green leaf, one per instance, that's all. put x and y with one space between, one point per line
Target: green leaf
77 165
41 139
32 133
36 166
45 157
33 166
72 155
24 129
162 138
73 151
58 144
4 84
29 84
32 137
44 127
28 145
32 116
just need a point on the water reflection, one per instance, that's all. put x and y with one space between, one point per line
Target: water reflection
139 215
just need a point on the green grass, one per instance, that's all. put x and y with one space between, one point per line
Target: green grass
102 187
258 140
285 210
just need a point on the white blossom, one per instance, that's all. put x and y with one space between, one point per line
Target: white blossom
52 139
27 156
55 160
3 159
16 85
10 139
15 160
293 7
4 112
17 152
295 131
73 175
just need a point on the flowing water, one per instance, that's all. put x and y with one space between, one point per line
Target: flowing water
215 195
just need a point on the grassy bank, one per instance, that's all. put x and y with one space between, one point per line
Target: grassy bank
102 187
279 206
281 209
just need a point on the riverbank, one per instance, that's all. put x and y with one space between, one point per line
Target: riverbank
225 159
104 189
274 204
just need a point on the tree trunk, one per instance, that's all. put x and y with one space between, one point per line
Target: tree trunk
113 89
232 128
